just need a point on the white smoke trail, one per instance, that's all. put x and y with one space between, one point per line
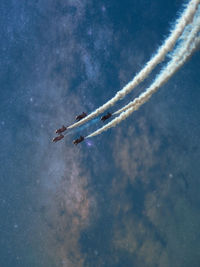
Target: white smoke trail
183 53
169 43
176 56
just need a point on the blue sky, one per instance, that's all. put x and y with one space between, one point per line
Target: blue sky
129 199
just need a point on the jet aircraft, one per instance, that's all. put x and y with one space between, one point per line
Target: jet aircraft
61 130
78 140
81 116
105 117
58 138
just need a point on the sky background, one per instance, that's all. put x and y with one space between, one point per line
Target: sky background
130 197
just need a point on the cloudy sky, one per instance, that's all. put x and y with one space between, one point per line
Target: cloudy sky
129 197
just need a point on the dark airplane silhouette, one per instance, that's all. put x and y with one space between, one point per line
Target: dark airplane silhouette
61 130
105 117
58 138
81 116
78 140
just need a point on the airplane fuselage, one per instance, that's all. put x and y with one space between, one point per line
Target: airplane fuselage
105 117
58 138
78 140
81 116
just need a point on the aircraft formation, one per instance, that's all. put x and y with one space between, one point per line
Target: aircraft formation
63 129
182 42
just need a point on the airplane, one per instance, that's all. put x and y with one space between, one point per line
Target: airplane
78 140
58 138
81 116
105 117
61 130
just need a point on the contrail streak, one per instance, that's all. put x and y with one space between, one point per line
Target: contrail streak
169 43
183 53
177 55
73 131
